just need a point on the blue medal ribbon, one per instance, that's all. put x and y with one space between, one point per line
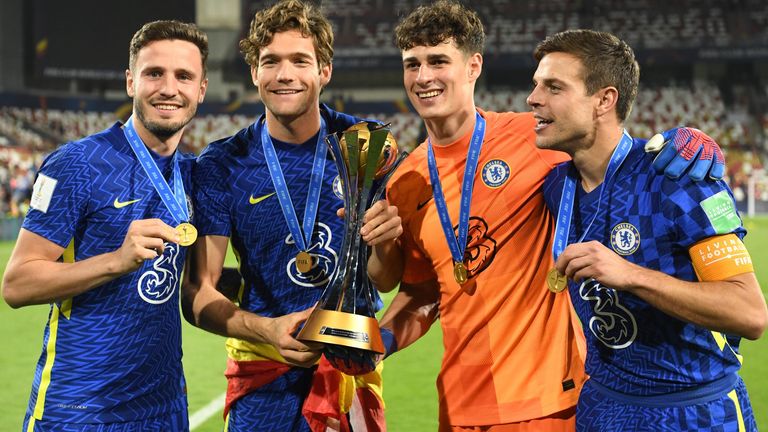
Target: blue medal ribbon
457 246
281 189
175 201
565 210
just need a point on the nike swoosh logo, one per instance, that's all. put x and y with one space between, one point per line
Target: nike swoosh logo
119 205
253 200
421 205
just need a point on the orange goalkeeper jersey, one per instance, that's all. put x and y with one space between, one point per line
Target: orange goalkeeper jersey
513 350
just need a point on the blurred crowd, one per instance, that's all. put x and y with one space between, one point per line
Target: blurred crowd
27 135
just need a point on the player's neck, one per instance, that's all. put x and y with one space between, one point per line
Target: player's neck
161 146
447 130
294 129
592 161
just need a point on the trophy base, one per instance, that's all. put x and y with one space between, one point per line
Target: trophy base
342 328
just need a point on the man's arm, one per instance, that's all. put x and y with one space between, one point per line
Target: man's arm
207 308
412 311
734 305
35 276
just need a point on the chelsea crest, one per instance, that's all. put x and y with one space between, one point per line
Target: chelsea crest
625 238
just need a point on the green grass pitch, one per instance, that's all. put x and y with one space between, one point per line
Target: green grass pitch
409 376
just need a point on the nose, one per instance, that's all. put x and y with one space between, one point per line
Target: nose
425 75
170 86
284 72
533 99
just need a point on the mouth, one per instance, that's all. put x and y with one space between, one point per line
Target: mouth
285 92
541 122
166 107
424 95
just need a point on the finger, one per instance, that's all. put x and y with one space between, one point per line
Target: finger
384 233
376 210
679 164
717 171
373 223
701 166
664 157
157 229
340 212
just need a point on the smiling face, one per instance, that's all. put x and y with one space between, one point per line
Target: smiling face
440 80
166 83
288 76
565 114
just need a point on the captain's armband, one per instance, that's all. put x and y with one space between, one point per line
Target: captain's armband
720 257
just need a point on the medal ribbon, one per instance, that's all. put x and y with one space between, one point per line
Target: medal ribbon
175 201
284 197
565 210
457 246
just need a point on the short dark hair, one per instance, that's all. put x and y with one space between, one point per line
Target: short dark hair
430 25
607 61
168 30
284 16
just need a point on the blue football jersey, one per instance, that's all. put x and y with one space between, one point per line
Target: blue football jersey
650 220
113 353
235 197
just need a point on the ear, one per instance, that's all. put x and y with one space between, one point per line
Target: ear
606 100
203 89
255 76
129 83
474 66
325 74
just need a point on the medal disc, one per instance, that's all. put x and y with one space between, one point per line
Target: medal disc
304 261
556 281
187 233
460 272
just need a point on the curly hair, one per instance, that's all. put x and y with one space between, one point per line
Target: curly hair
608 61
284 16
167 30
430 25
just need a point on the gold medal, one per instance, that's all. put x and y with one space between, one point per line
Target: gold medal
187 233
556 281
304 261
460 272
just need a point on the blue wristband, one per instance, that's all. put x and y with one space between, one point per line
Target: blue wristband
390 343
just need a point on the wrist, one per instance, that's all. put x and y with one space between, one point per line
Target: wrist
390 343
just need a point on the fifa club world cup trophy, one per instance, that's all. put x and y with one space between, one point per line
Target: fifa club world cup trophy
344 318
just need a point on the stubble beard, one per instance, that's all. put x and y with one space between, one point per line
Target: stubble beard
160 130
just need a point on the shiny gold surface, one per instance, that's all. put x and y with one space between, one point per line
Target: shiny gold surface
386 158
304 262
187 233
342 328
556 281
460 272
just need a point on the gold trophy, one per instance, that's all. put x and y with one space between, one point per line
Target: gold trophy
344 318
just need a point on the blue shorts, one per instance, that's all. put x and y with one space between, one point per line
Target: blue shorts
275 406
721 407
173 422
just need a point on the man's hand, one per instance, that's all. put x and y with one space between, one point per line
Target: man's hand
580 261
381 223
144 240
280 335
684 147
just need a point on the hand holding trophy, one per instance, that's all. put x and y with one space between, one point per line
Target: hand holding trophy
344 318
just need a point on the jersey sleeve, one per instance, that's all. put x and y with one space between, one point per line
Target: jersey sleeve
60 195
699 210
211 194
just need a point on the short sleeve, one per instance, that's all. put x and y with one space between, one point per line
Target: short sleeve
699 210
60 195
